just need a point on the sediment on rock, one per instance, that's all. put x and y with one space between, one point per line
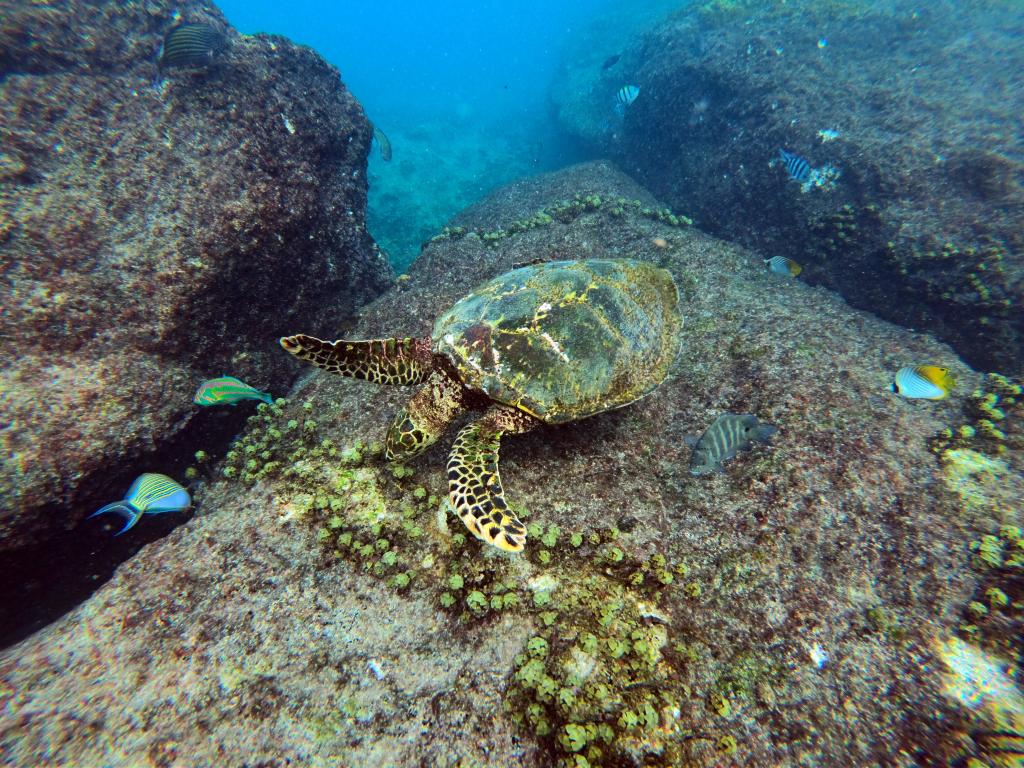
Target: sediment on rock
322 608
157 233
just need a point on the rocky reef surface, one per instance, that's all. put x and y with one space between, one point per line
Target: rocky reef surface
153 234
809 606
908 116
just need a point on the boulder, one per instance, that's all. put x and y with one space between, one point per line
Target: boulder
154 234
323 608
913 207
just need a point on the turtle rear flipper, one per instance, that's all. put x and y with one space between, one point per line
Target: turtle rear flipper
474 485
383 361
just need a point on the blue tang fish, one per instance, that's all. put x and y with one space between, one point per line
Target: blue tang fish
227 390
150 494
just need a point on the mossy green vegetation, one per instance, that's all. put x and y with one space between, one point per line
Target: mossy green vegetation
603 679
566 211
980 460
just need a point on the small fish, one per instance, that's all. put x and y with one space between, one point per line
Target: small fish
797 167
729 434
611 61
627 94
923 381
227 390
383 143
780 265
191 45
150 494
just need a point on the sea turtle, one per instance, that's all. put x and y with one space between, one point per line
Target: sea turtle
545 343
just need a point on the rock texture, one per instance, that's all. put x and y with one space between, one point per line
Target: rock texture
156 234
319 611
910 115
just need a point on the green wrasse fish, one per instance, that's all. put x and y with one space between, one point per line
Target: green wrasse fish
150 494
227 390
729 434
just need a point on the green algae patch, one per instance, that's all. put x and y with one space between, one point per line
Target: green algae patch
601 680
974 477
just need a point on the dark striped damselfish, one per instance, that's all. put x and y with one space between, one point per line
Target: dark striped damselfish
797 167
191 45
729 434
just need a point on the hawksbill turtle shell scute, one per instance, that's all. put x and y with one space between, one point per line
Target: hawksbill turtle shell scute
563 340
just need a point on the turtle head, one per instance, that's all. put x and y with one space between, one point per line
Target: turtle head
426 417
409 435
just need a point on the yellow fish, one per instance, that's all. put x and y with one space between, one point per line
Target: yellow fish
780 265
929 382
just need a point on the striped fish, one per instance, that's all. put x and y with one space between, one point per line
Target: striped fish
227 390
780 265
191 45
150 494
797 167
383 143
928 382
729 434
627 94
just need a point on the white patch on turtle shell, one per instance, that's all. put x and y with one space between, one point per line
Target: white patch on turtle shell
545 307
554 346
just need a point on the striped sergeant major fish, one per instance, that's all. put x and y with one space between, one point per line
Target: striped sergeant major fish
150 494
797 167
627 94
729 434
192 46
227 390
927 382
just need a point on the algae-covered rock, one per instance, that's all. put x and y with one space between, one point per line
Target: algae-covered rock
323 608
153 234
905 114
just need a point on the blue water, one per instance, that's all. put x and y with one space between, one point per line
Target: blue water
461 88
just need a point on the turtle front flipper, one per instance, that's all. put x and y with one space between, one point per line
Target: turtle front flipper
384 361
474 486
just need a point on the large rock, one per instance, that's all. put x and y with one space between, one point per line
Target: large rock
319 611
909 113
155 235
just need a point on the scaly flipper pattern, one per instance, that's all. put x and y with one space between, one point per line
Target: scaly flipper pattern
474 485
428 414
383 361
